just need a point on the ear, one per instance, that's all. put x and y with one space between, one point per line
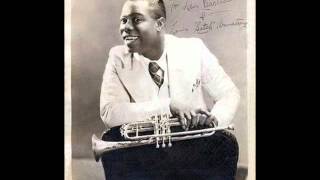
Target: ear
160 23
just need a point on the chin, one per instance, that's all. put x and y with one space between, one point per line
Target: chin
132 49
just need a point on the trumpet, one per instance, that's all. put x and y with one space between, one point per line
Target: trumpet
154 130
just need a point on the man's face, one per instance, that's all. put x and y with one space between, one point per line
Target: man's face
137 27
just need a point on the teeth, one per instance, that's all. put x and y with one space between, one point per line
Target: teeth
131 38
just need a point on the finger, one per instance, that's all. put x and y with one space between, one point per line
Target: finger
202 119
214 122
202 111
208 122
193 113
188 117
182 120
197 121
194 121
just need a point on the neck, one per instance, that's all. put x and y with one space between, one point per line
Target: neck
155 52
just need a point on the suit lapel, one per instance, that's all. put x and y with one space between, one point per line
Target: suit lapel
180 71
135 79
183 69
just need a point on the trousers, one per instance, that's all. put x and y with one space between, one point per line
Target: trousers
214 157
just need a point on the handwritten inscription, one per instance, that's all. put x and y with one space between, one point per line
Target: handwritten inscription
191 5
206 16
213 3
173 6
203 27
241 23
176 31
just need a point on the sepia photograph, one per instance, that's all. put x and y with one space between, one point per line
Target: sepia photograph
159 89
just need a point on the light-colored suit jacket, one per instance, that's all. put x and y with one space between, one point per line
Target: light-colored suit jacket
195 78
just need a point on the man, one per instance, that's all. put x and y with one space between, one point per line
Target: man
156 73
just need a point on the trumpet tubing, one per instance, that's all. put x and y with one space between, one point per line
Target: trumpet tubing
159 125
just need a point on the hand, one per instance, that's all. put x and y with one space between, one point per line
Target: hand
204 119
211 121
189 117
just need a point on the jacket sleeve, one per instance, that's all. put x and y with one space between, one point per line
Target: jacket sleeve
225 95
116 106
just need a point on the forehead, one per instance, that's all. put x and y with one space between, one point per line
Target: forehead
136 7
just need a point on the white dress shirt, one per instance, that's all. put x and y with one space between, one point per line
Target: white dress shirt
163 91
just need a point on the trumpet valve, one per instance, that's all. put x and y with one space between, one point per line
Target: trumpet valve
169 138
157 143
169 143
163 142
163 145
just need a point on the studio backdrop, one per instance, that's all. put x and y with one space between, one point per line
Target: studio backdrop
221 24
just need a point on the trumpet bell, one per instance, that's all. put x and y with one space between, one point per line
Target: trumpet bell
96 153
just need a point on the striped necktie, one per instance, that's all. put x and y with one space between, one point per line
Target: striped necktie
156 73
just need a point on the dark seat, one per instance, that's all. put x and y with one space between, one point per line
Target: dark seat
213 157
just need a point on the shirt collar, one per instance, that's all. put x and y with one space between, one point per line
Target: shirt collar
161 61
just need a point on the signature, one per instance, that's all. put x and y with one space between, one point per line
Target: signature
176 31
241 23
202 27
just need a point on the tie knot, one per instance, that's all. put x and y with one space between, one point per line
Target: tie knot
153 67
155 75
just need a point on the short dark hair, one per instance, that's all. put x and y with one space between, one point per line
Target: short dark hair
159 8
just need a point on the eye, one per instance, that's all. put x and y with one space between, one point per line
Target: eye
137 20
123 20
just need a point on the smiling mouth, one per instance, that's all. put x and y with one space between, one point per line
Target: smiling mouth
130 39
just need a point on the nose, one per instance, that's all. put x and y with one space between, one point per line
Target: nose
127 27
